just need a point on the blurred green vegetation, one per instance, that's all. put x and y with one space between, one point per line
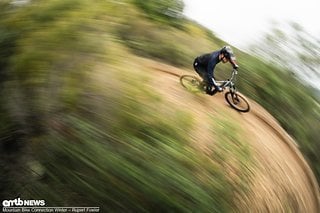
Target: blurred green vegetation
74 136
292 48
72 141
168 12
142 162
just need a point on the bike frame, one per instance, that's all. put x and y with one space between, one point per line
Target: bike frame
230 82
234 99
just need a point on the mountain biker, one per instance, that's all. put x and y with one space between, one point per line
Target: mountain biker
205 64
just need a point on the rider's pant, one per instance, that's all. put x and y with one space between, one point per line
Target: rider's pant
202 71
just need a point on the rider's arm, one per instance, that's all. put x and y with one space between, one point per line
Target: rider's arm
234 64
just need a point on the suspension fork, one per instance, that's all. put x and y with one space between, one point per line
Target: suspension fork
233 89
234 94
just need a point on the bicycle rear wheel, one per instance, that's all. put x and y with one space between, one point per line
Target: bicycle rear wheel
237 101
191 83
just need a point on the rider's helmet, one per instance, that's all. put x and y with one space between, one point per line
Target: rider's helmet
228 53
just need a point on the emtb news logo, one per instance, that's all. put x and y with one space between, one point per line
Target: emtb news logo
18 202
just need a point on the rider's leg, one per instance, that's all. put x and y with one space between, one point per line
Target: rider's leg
213 82
202 73
199 69
216 86
209 83
208 79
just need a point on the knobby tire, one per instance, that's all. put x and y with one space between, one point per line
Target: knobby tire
191 83
237 101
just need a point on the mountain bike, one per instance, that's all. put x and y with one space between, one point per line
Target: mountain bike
232 96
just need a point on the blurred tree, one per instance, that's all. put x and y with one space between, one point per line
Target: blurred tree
169 11
7 38
44 52
294 49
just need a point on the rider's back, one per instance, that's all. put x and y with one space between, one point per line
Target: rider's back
204 59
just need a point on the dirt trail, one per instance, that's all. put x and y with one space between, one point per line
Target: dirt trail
283 181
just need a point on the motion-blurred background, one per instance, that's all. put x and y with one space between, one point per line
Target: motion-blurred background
80 124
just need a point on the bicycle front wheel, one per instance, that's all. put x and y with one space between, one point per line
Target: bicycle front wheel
191 83
237 101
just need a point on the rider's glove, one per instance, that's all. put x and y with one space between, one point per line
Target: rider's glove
235 66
